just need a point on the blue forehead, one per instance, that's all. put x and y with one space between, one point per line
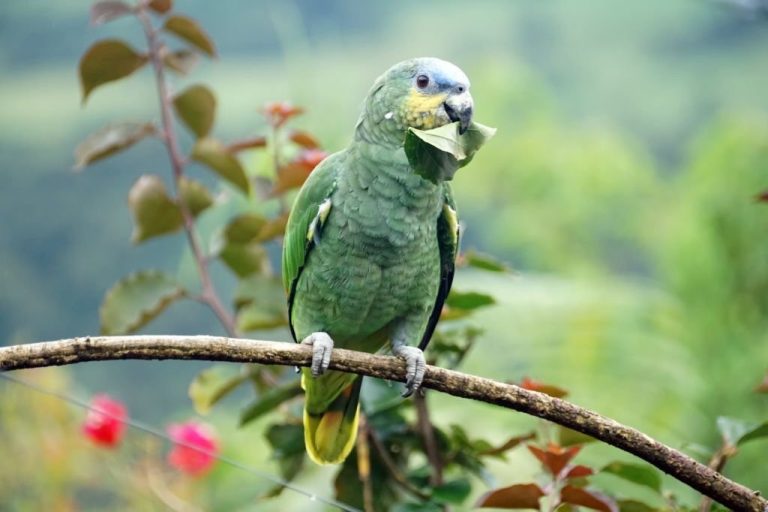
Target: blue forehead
443 74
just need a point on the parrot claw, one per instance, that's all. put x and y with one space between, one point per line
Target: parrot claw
415 367
322 346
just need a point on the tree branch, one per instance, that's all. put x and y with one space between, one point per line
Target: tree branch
171 142
210 348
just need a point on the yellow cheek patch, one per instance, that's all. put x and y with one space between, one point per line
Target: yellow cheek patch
421 109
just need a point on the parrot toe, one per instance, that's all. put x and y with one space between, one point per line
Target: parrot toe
322 346
415 367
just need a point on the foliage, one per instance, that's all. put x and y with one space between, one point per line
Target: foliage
243 246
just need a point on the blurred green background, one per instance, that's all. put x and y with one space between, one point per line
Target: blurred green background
632 140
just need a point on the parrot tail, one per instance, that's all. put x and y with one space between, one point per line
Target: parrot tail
330 435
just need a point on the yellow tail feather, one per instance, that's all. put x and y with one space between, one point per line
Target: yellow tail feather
330 435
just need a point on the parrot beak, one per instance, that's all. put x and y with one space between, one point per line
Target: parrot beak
459 108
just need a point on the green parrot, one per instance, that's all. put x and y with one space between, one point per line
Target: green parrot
370 245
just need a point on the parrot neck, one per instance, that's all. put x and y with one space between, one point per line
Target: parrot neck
379 126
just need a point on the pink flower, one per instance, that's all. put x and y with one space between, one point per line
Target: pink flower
105 422
195 449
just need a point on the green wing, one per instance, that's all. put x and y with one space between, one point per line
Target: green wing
448 242
310 210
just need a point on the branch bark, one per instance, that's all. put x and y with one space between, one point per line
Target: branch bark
210 348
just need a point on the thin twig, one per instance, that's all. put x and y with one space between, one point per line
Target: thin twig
390 465
214 348
170 140
427 431
364 464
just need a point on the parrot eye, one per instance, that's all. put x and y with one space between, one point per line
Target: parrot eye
422 81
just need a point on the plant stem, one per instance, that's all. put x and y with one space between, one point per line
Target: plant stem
364 464
428 436
170 140
394 471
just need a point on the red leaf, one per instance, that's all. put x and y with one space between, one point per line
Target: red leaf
105 422
763 196
578 471
304 140
555 457
161 6
511 443
244 144
547 389
195 449
515 496
583 498
295 173
278 112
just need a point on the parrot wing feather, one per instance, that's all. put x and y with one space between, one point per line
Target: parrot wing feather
448 243
308 215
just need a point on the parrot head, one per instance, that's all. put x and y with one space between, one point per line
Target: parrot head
422 93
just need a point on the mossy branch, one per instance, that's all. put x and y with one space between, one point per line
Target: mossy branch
210 348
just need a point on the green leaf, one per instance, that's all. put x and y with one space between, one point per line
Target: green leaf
736 432
213 384
244 228
570 437
107 61
161 6
269 401
244 259
386 491
108 10
635 506
379 395
758 432
196 106
455 491
190 31
215 155
286 439
154 212
468 300
180 61
137 299
518 496
640 474
417 507
195 195
484 261
289 468
109 140
437 154
261 303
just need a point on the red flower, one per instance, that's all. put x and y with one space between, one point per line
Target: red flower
105 422
278 112
195 449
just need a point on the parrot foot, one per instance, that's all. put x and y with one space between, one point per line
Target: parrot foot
322 345
415 367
